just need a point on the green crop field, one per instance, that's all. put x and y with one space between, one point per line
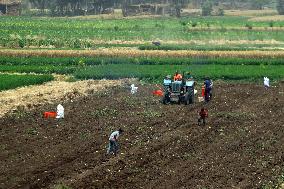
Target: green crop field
156 73
13 81
228 47
153 69
75 62
79 33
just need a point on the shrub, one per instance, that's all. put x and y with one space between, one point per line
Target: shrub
249 26
194 24
116 28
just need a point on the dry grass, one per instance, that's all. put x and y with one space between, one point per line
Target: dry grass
52 92
197 42
251 12
268 18
242 28
116 15
146 53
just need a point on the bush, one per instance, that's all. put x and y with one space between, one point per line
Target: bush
249 26
194 24
207 8
220 12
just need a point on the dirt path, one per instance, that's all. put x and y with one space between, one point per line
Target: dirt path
162 147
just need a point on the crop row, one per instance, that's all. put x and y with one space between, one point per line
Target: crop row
17 39
13 81
72 33
210 47
48 69
145 72
158 72
70 63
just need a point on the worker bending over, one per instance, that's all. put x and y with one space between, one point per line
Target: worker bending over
203 114
113 143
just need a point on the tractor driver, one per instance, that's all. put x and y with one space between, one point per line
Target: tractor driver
188 76
177 76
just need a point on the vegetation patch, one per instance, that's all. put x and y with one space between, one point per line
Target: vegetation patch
14 81
50 33
158 72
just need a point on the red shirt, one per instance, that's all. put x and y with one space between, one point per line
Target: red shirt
177 77
203 113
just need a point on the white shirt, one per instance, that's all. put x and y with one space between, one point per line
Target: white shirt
60 111
114 136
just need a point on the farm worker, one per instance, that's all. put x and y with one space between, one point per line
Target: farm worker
60 111
189 76
177 76
202 116
133 89
113 144
208 84
266 82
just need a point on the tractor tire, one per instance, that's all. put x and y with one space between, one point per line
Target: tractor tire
165 100
191 97
186 99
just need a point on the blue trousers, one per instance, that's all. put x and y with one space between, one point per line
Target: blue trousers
112 147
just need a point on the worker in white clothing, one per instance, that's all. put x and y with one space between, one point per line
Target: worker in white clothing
113 144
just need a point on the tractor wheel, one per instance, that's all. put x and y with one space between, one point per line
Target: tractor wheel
165 100
191 97
186 99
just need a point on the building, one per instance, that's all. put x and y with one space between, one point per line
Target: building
10 7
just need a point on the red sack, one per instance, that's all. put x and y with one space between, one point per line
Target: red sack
158 93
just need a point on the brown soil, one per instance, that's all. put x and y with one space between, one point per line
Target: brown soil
162 147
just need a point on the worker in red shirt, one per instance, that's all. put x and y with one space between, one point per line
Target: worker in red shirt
203 114
177 76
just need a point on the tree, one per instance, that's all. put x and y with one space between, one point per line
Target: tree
280 7
41 4
259 4
207 8
178 5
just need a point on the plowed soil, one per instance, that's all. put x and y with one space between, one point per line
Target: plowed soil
241 145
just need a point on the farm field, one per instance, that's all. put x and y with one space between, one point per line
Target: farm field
88 64
152 69
240 147
26 32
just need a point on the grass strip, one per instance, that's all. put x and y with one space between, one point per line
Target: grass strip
13 81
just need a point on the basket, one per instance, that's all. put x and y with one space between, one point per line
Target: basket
49 114
200 99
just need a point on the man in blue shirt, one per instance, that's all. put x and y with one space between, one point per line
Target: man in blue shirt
208 89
